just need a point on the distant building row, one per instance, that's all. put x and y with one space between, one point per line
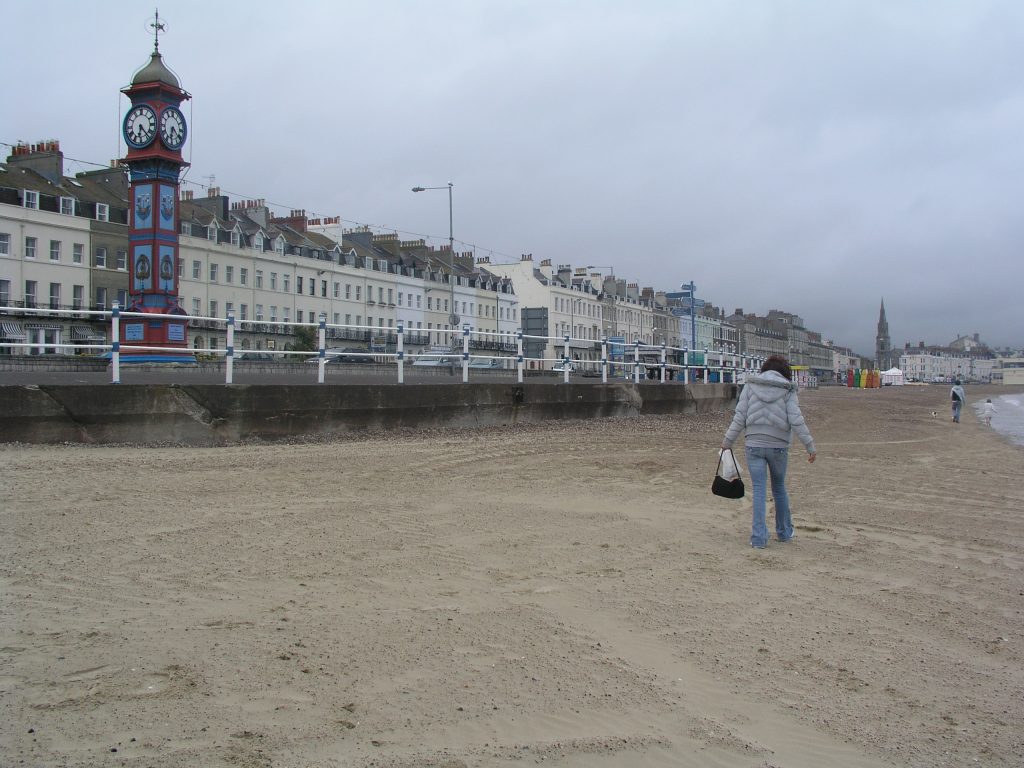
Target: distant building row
63 245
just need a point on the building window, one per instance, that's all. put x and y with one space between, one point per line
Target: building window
102 212
286 282
5 293
211 232
298 316
213 272
273 313
348 291
30 247
30 293
337 290
243 276
391 296
286 314
5 244
400 298
259 278
197 305
31 199
67 206
337 318
259 313
54 295
122 297
348 319
279 246
229 307
101 298
181 269
273 281
229 274
213 308
243 311
236 239
77 253
197 269
101 257
55 250
359 289
380 294
122 260
323 288
298 284
257 243
419 301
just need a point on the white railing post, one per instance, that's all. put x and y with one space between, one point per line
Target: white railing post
115 342
519 355
400 353
686 365
465 353
321 363
663 362
604 359
229 360
636 360
706 368
565 358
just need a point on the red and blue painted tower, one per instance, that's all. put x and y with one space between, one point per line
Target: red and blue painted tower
155 130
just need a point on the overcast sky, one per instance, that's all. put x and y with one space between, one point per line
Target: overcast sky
801 155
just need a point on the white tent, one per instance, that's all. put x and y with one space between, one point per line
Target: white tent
893 376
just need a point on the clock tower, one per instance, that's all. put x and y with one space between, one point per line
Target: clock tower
154 129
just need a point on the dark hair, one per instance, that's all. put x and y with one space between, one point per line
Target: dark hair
778 364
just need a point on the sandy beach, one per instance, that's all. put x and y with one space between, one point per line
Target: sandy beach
564 594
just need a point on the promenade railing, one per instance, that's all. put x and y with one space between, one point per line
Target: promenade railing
634 360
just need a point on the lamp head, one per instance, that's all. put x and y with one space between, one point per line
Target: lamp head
418 189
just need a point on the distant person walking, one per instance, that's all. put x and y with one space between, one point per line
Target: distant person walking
986 412
768 412
957 396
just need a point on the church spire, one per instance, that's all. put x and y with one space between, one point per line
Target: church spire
883 345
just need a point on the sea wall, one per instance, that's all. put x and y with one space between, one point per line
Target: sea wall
219 415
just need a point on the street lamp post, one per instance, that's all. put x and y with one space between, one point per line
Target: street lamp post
453 318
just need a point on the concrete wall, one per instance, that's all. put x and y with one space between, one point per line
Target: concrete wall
218 415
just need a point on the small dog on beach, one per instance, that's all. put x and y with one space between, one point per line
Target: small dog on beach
934 414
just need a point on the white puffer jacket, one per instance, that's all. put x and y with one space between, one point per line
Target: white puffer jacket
768 405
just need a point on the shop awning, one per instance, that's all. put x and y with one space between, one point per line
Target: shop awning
85 333
12 331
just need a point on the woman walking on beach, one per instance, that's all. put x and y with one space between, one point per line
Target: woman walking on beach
769 412
957 396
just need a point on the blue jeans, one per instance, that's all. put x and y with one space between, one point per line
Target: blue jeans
762 462
957 405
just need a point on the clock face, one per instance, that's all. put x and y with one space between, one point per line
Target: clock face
140 126
172 128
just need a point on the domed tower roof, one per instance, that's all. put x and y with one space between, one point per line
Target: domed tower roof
156 71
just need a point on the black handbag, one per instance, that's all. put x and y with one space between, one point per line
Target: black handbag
728 489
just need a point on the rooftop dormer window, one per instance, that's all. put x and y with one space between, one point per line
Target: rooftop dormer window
236 238
102 212
257 242
31 199
67 206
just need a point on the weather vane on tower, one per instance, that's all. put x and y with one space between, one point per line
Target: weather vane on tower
158 27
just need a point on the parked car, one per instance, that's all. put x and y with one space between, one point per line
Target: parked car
349 355
254 356
560 367
345 355
490 362
434 361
